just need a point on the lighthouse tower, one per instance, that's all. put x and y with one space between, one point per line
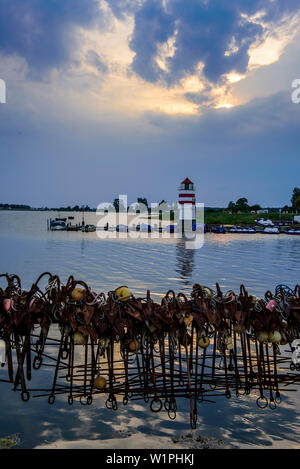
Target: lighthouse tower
187 205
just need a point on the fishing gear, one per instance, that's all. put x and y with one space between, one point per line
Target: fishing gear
123 348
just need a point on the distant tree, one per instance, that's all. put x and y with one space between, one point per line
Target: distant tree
142 200
286 208
116 204
232 207
296 194
15 207
162 208
119 207
297 202
242 205
143 205
255 207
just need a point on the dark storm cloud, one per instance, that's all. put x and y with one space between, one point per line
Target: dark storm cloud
40 31
153 26
205 31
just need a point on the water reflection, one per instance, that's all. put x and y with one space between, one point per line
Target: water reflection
184 263
237 421
259 261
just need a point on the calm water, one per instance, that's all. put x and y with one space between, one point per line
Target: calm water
260 262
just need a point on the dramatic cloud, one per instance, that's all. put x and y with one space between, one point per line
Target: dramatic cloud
42 31
153 26
115 132
172 38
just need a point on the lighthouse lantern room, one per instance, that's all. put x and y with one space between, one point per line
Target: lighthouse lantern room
187 205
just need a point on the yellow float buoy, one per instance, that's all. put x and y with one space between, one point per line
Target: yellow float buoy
122 293
275 337
77 294
204 341
208 291
100 382
79 338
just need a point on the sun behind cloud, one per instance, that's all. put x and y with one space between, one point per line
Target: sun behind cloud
102 70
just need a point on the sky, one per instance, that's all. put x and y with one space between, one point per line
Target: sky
109 97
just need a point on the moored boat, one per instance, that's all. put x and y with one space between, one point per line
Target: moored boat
218 229
292 231
88 228
59 224
237 229
270 230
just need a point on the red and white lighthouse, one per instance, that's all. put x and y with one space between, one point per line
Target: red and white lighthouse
187 205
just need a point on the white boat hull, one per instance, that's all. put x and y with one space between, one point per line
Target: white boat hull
58 228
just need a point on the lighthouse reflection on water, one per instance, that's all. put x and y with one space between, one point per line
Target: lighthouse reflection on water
185 263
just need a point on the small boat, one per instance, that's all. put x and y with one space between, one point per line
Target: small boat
238 229
88 228
264 222
270 230
292 231
121 228
145 228
218 229
59 224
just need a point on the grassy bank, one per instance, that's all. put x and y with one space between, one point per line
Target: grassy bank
223 218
